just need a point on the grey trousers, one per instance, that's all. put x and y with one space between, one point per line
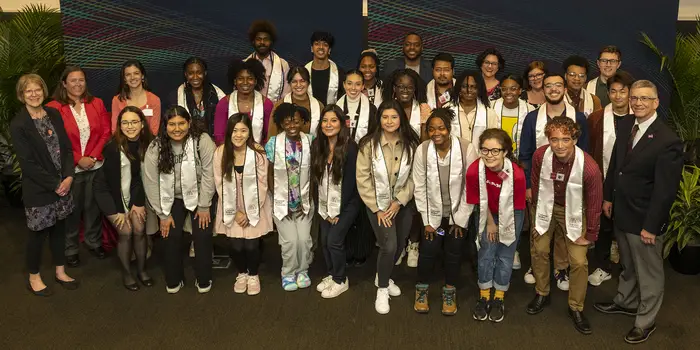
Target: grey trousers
85 207
391 240
294 231
641 284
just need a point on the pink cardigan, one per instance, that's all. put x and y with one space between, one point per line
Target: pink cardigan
221 118
152 102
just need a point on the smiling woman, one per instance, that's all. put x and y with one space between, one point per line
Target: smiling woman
134 91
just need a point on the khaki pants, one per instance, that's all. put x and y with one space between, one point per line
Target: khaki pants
561 259
578 274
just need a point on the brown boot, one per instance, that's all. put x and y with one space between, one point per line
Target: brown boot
421 304
449 301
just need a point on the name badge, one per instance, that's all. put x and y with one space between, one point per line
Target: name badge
444 97
557 176
370 93
353 123
148 112
503 175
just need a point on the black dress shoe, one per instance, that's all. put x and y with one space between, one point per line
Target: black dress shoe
537 305
146 282
132 287
612 308
580 322
46 292
73 260
70 285
639 335
98 252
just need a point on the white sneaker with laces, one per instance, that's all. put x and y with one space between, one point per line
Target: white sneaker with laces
412 260
598 276
241 283
562 280
516 262
529 277
203 290
381 304
394 290
400 259
176 289
324 284
335 289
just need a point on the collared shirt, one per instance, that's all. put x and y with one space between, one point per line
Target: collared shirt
268 64
642 128
467 121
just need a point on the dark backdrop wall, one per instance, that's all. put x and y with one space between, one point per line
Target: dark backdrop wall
548 30
101 34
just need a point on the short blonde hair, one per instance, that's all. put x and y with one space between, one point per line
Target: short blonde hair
28 79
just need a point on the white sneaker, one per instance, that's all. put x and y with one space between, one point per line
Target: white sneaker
381 304
400 260
562 277
324 284
598 276
203 290
335 289
529 277
394 290
412 249
241 284
516 262
176 289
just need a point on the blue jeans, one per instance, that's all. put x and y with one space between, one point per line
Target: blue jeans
496 258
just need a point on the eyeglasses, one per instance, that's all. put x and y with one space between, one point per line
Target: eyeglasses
574 75
608 61
554 85
131 123
509 88
492 151
404 87
489 63
644 99
535 76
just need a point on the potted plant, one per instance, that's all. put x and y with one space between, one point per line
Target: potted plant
682 238
31 41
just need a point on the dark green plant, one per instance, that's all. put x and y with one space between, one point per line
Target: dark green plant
684 217
31 41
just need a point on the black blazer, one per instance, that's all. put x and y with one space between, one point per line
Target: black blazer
643 187
426 68
107 183
40 179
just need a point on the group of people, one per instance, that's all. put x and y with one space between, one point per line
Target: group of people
427 163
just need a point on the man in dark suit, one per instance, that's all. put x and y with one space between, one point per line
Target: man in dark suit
640 187
412 59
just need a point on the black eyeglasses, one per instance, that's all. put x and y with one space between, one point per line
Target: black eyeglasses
492 151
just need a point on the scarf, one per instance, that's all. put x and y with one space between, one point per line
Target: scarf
362 119
275 79
432 94
182 99
522 113
587 102
506 209
541 123
188 181
229 199
281 176
125 179
329 195
383 191
315 111
332 82
257 114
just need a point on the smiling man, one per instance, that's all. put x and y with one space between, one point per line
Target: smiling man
412 59
438 90
576 68
326 78
609 61
263 35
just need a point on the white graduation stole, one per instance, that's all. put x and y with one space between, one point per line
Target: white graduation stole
609 136
251 200
574 196
182 100
332 82
375 95
384 193
362 125
431 93
523 110
275 82
506 208
541 137
587 102
329 195
281 176
188 181
430 207
592 84
480 123
125 179
315 111
414 119
257 116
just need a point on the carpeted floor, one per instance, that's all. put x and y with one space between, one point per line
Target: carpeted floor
104 315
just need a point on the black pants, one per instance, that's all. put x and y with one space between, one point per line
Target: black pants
333 240
246 255
174 254
602 245
429 251
359 242
391 240
57 243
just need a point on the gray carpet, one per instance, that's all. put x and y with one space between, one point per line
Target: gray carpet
104 315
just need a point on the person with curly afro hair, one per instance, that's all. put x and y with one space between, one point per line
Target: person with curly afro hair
263 35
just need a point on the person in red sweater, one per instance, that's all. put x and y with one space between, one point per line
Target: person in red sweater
496 183
567 192
87 124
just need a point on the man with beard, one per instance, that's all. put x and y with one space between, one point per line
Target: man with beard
438 90
263 35
609 61
576 68
326 78
532 137
412 59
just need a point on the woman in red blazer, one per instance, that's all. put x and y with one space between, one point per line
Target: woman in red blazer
87 124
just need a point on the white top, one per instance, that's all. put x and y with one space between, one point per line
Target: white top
642 128
84 129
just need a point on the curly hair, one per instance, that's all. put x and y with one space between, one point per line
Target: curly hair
263 26
575 61
166 157
490 51
254 67
445 114
390 82
502 137
322 36
288 110
564 124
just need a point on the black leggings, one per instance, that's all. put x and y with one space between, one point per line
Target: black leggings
57 243
246 255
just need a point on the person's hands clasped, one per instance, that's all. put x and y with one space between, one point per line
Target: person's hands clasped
138 212
241 219
429 233
393 210
492 232
64 186
382 219
332 221
457 231
86 163
204 218
165 225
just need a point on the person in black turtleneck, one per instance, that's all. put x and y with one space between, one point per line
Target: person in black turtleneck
326 76
126 211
